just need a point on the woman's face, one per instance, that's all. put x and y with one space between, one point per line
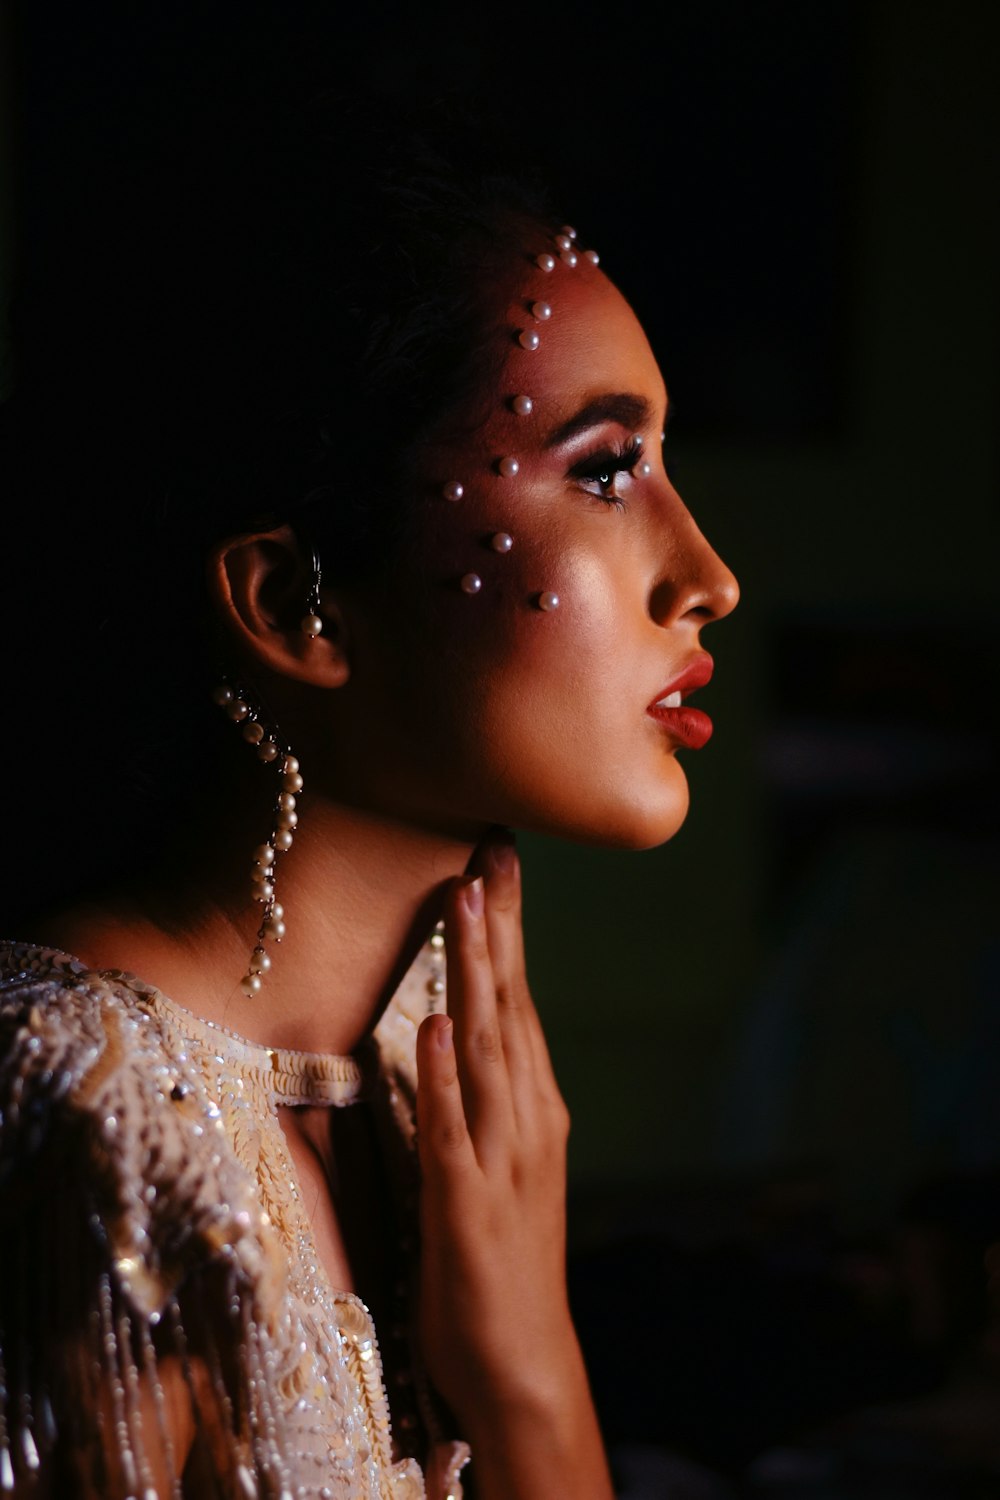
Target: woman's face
466 709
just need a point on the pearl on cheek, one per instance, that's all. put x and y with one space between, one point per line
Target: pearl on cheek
523 405
502 541
528 339
507 467
548 600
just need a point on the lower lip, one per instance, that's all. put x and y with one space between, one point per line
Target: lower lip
689 726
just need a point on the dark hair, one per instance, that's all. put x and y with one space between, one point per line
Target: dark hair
252 306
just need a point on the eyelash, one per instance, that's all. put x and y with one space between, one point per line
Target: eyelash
604 467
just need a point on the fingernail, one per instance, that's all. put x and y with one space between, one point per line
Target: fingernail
473 893
503 856
443 1030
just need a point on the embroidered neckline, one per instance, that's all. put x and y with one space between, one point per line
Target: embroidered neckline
289 1075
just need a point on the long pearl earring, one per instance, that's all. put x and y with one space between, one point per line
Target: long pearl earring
312 623
239 707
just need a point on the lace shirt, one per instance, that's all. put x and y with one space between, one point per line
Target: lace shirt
152 1216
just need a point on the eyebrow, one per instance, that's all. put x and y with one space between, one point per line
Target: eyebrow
628 411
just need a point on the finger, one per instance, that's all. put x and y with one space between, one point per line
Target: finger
444 1145
472 1004
506 944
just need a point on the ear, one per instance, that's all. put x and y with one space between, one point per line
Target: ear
259 583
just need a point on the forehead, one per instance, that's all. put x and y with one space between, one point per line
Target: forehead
590 345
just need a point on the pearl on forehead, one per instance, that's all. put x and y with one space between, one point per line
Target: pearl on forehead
528 339
548 600
542 311
502 541
522 405
592 256
453 490
546 262
471 583
569 256
508 467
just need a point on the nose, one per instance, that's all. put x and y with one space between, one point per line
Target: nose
694 583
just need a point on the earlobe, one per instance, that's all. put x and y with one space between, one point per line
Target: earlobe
265 588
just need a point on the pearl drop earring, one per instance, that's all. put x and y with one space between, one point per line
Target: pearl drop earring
239 707
312 624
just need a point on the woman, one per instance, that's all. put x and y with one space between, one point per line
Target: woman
451 592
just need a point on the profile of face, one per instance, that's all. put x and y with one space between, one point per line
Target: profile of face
508 671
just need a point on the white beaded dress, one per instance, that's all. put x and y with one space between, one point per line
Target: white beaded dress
152 1221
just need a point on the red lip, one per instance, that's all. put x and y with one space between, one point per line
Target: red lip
696 674
689 726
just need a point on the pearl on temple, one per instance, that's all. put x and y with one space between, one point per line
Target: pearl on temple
502 541
471 583
453 490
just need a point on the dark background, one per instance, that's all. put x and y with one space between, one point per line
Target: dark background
779 1035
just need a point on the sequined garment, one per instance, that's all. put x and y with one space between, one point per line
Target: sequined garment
155 1251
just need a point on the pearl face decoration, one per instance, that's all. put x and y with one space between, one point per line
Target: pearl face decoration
507 467
645 467
546 262
502 541
592 256
548 600
471 583
523 405
453 490
564 241
263 873
542 311
569 231
528 339
569 256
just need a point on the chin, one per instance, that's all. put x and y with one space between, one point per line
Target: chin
642 822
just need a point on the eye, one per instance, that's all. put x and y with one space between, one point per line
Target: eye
601 473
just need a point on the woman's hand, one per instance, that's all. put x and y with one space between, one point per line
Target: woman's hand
496 1331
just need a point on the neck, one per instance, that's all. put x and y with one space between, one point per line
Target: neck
361 894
